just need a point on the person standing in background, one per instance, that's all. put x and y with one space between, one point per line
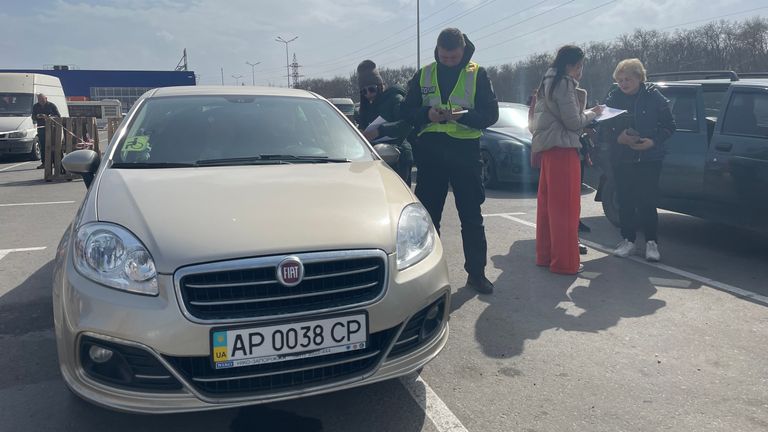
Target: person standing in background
40 111
558 119
636 155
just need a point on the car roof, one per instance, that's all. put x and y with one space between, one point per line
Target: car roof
513 105
230 90
720 82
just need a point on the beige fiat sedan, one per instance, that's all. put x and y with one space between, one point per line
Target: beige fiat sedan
239 246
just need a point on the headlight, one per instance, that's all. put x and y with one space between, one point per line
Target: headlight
112 256
18 134
415 236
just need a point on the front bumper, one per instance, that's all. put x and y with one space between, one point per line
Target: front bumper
16 146
156 325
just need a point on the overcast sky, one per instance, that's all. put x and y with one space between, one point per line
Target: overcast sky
333 35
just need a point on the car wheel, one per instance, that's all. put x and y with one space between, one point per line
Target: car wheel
35 153
488 173
610 202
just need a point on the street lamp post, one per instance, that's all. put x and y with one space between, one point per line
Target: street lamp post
253 74
418 37
287 62
237 78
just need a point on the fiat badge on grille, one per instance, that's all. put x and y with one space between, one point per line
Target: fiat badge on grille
290 271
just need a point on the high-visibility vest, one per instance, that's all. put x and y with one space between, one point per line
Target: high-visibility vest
462 97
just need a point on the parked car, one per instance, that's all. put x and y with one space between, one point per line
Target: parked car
346 106
716 165
18 133
505 148
242 245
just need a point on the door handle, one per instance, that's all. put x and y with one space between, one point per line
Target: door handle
724 147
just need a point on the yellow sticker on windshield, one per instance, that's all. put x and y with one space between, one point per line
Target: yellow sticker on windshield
138 143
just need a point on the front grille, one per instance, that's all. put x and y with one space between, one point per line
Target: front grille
253 290
271 377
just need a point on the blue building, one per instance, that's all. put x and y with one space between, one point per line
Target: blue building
125 86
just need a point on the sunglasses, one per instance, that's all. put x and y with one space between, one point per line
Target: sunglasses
370 89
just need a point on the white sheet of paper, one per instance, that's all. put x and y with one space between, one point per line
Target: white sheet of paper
374 125
609 113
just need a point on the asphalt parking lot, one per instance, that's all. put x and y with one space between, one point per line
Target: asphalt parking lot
624 346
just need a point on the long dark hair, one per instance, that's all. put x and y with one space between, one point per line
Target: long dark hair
567 55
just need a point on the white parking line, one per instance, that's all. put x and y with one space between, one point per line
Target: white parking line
686 274
37 203
13 166
4 252
433 406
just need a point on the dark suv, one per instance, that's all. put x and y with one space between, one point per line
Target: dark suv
716 165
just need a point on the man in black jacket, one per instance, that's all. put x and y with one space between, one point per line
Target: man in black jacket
449 103
40 111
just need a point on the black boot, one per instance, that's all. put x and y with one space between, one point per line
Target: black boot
582 249
480 284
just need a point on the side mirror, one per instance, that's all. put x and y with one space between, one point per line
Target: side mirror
83 162
389 153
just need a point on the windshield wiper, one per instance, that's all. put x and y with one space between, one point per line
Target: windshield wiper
139 165
320 159
256 160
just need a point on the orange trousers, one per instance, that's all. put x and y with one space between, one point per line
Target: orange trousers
557 215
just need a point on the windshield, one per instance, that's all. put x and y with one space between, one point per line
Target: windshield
515 117
239 129
15 104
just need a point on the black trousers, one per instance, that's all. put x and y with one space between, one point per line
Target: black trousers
455 163
637 186
41 141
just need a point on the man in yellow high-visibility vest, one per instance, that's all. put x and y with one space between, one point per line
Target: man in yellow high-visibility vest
450 102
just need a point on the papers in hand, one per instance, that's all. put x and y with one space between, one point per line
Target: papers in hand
609 113
378 121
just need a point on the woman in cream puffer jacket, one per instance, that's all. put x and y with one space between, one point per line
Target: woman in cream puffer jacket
558 119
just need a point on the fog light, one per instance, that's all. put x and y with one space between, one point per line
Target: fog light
99 354
431 321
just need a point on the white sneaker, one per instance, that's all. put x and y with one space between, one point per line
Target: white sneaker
624 249
652 251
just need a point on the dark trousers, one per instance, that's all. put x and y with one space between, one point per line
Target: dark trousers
41 141
438 170
405 164
637 186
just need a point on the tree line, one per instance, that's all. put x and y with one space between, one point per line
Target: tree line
741 46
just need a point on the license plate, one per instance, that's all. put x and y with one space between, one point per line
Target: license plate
276 343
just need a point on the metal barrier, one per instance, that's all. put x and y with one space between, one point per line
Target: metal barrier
65 135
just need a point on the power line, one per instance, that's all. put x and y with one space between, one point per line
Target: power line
506 59
526 20
503 19
328 63
410 39
554 24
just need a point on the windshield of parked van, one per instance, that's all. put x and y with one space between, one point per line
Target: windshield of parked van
238 130
15 104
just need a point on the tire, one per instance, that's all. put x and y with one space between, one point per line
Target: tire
610 202
488 170
35 153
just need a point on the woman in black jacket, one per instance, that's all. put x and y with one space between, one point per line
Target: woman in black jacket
378 100
636 152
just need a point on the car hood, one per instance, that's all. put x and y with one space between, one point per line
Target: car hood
194 215
10 124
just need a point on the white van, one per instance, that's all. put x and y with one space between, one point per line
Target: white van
17 95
